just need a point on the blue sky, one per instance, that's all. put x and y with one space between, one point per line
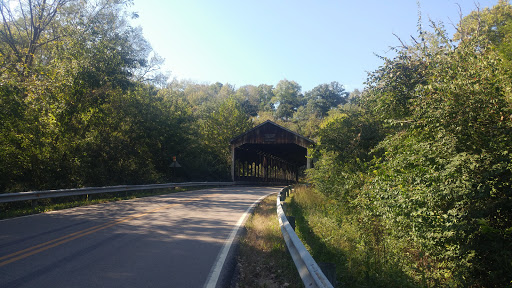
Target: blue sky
244 42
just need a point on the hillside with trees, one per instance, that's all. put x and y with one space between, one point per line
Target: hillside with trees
83 103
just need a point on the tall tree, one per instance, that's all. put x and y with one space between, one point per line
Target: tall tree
63 64
249 98
326 96
26 28
287 98
225 122
266 94
490 25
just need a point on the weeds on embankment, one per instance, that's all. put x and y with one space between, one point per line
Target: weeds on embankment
264 260
358 262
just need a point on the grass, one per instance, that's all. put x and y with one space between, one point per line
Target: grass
22 208
263 259
318 231
332 239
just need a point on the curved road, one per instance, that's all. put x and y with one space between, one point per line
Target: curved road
175 240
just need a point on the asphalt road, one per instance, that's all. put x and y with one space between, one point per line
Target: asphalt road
175 240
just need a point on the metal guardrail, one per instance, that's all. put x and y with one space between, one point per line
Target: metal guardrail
34 195
309 271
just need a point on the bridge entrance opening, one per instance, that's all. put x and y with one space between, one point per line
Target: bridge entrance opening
269 153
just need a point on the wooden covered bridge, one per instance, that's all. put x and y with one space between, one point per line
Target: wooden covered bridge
269 153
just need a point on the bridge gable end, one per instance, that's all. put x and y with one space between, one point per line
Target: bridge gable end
269 153
269 132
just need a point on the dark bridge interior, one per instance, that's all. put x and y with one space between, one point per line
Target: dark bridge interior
269 153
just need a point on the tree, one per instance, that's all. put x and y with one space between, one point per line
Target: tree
266 94
249 98
287 98
354 96
26 29
63 64
490 22
306 122
431 190
491 26
217 129
326 96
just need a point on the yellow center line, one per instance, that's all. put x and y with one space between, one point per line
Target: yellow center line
64 239
49 242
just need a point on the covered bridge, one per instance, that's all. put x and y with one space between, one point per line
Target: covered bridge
269 153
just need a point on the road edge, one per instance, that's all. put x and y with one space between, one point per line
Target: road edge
222 271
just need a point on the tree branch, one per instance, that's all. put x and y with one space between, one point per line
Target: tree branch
8 36
403 44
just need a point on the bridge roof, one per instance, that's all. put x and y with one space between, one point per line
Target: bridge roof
271 133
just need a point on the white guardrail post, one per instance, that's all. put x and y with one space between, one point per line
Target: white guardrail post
309 271
34 195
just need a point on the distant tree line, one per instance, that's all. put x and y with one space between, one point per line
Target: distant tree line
83 103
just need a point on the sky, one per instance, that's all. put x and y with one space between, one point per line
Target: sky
252 42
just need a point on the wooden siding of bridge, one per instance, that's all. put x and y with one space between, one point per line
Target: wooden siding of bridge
269 153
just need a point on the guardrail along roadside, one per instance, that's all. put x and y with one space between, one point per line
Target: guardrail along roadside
308 269
35 195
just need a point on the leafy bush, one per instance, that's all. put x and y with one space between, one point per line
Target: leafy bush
430 187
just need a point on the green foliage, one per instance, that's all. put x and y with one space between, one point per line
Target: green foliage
360 260
72 113
287 98
349 133
468 97
423 169
82 103
326 96
492 24
217 129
